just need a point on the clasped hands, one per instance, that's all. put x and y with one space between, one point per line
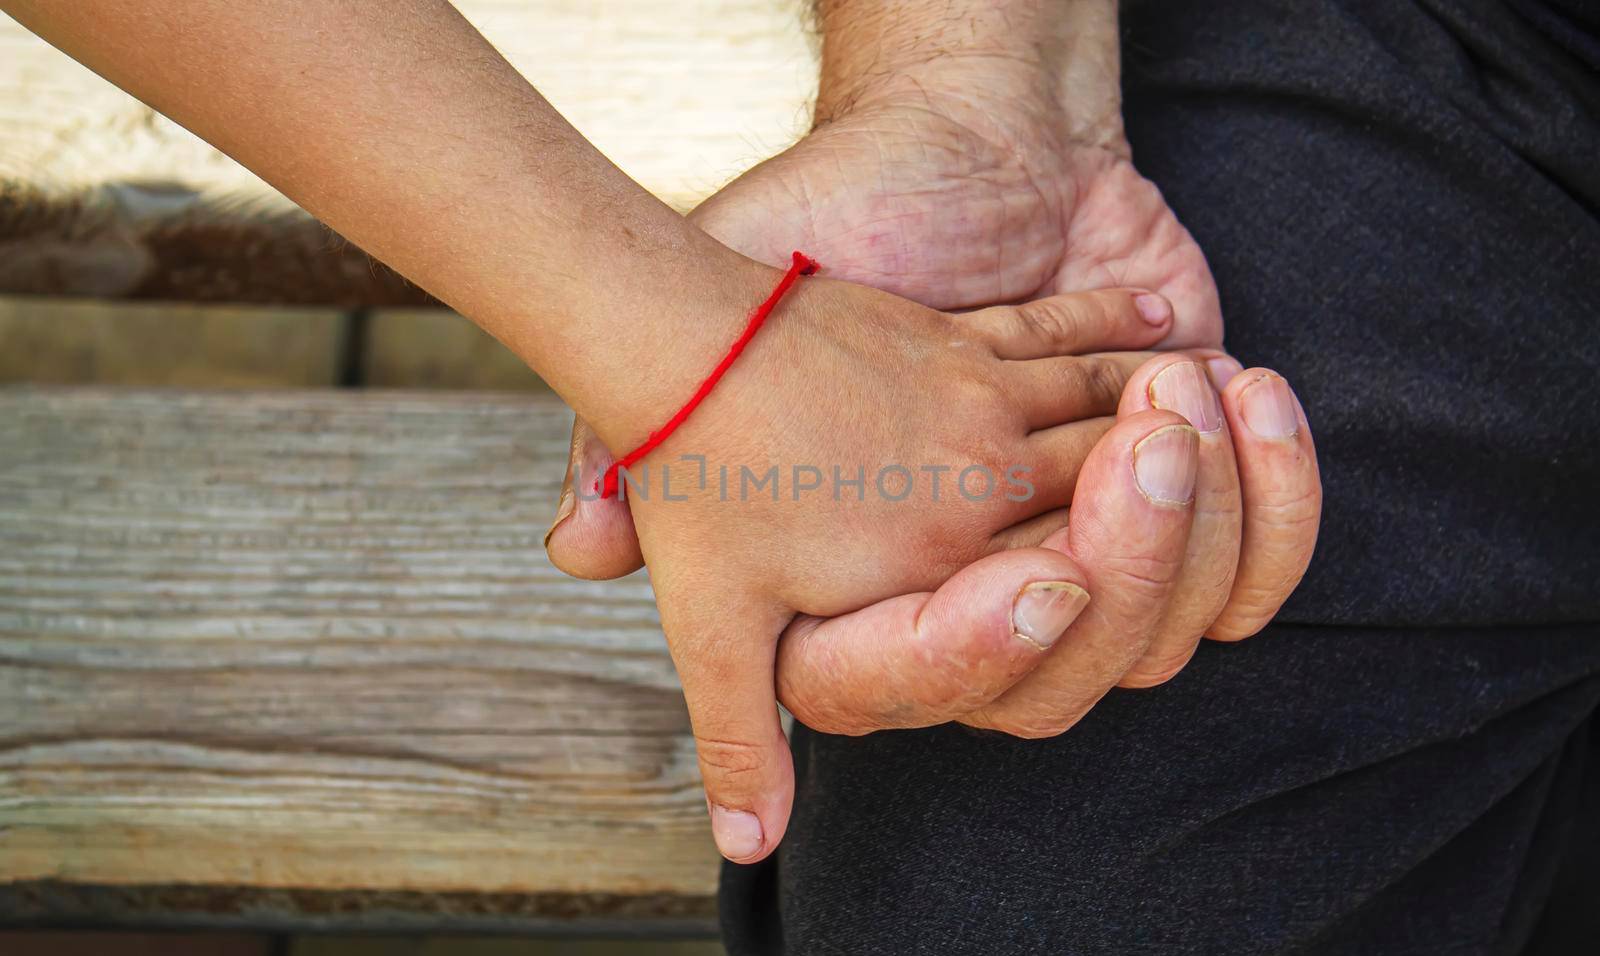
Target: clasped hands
1174 495
1002 291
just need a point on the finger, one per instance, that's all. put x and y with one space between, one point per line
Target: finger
1222 366
1181 384
1130 524
1032 532
1046 479
1282 493
1051 391
592 537
723 647
924 659
1103 321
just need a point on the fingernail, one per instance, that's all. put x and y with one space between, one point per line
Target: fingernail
1223 369
1164 464
564 509
1267 407
1045 609
737 832
1152 308
1185 388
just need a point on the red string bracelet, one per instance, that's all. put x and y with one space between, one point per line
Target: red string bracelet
800 266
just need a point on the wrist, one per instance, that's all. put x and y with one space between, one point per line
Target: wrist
634 352
1021 70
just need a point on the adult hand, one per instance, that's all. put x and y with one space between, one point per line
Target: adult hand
750 536
962 193
963 188
1156 567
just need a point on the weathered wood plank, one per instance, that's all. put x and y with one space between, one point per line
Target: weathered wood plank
63 341
287 640
437 348
38 904
101 196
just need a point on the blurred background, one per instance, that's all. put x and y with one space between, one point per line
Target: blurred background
282 667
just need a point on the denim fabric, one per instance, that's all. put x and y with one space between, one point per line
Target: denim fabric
1400 200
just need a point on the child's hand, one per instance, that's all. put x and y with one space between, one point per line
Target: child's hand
851 382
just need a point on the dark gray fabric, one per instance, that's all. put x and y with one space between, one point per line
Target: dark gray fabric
1401 203
1292 795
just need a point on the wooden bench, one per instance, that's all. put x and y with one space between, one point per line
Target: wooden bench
295 659
299 656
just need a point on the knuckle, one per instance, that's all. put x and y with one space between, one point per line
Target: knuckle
978 391
1143 577
1031 720
731 758
1238 626
1229 634
1273 564
1101 381
831 717
1054 321
956 686
1140 679
1294 506
1157 671
1252 607
1260 602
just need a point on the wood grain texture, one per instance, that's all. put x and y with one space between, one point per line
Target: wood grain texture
101 196
310 640
66 341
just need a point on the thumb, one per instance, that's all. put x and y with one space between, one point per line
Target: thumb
1076 324
723 648
591 537
924 659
